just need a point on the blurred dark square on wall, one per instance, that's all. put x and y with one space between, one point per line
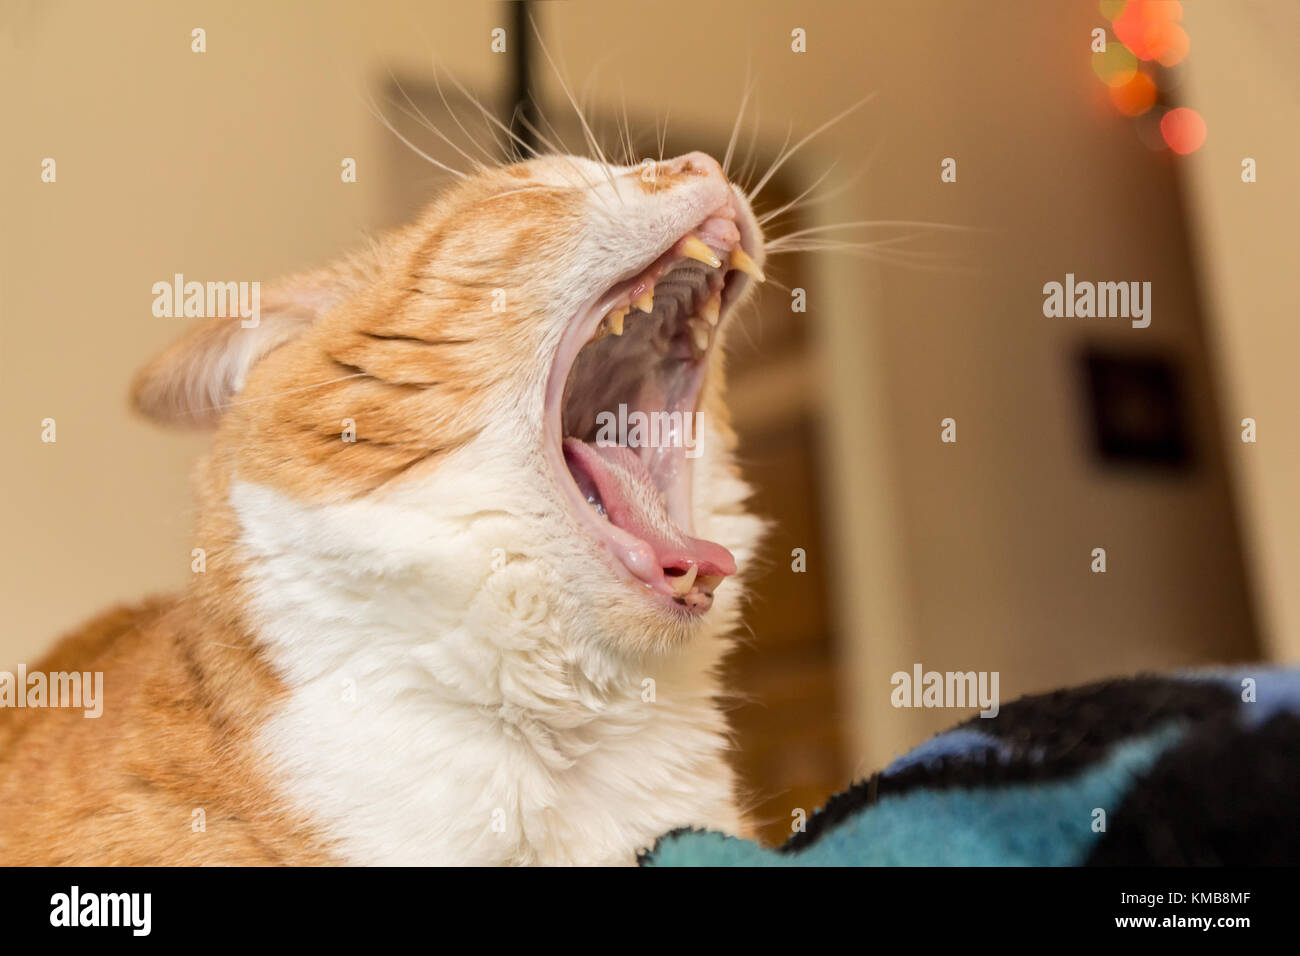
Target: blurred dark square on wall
1136 406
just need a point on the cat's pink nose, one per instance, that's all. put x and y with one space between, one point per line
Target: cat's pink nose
692 164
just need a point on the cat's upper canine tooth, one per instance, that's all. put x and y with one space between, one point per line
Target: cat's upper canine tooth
645 301
709 582
741 261
683 582
694 248
611 324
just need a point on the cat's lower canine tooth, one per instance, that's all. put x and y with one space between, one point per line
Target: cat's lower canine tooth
694 248
711 308
741 261
615 319
645 301
683 582
700 333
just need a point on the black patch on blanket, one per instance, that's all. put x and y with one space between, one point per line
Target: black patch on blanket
1049 735
1227 796
1072 728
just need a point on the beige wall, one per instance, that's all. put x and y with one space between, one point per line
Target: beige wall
223 165
968 556
1247 88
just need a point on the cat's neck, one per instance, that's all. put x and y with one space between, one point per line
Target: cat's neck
439 710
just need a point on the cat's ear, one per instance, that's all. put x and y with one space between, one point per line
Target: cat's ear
197 376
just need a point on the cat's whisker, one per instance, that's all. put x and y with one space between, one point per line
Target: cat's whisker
514 150
415 149
289 391
419 117
780 154
784 158
493 159
541 136
911 259
512 192
825 197
780 285
600 128
751 160
740 116
627 126
563 147
662 137
583 99
488 115
586 127
562 151
617 147
780 244
515 137
565 156
874 224
767 217
539 188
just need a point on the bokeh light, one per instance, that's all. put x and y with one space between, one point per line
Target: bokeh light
1116 66
1134 97
1183 129
1177 45
1150 28
1110 9
1149 32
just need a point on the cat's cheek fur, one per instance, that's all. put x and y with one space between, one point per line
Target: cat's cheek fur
454 697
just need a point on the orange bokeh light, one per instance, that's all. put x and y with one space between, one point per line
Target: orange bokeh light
1176 46
1134 97
1150 29
1183 129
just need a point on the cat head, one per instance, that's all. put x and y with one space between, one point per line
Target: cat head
513 405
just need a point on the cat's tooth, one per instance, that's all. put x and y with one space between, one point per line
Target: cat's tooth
615 320
700 334
711 309
645 301
694 248
602 330
741 261
708 583
683 582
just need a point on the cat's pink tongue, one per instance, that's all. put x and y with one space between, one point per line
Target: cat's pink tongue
619 480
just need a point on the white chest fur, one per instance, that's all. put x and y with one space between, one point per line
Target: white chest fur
442 712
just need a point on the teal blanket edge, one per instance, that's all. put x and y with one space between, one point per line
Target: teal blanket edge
1190 769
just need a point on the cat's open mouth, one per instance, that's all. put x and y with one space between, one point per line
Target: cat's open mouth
623 426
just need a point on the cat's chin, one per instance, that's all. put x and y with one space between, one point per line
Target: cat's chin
622 428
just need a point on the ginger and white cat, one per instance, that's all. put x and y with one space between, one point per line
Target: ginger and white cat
469 633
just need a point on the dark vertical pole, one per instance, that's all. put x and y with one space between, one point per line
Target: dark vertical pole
522 105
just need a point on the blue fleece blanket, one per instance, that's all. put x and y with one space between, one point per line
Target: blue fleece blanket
1198 769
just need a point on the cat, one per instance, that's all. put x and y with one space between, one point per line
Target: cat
437 622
